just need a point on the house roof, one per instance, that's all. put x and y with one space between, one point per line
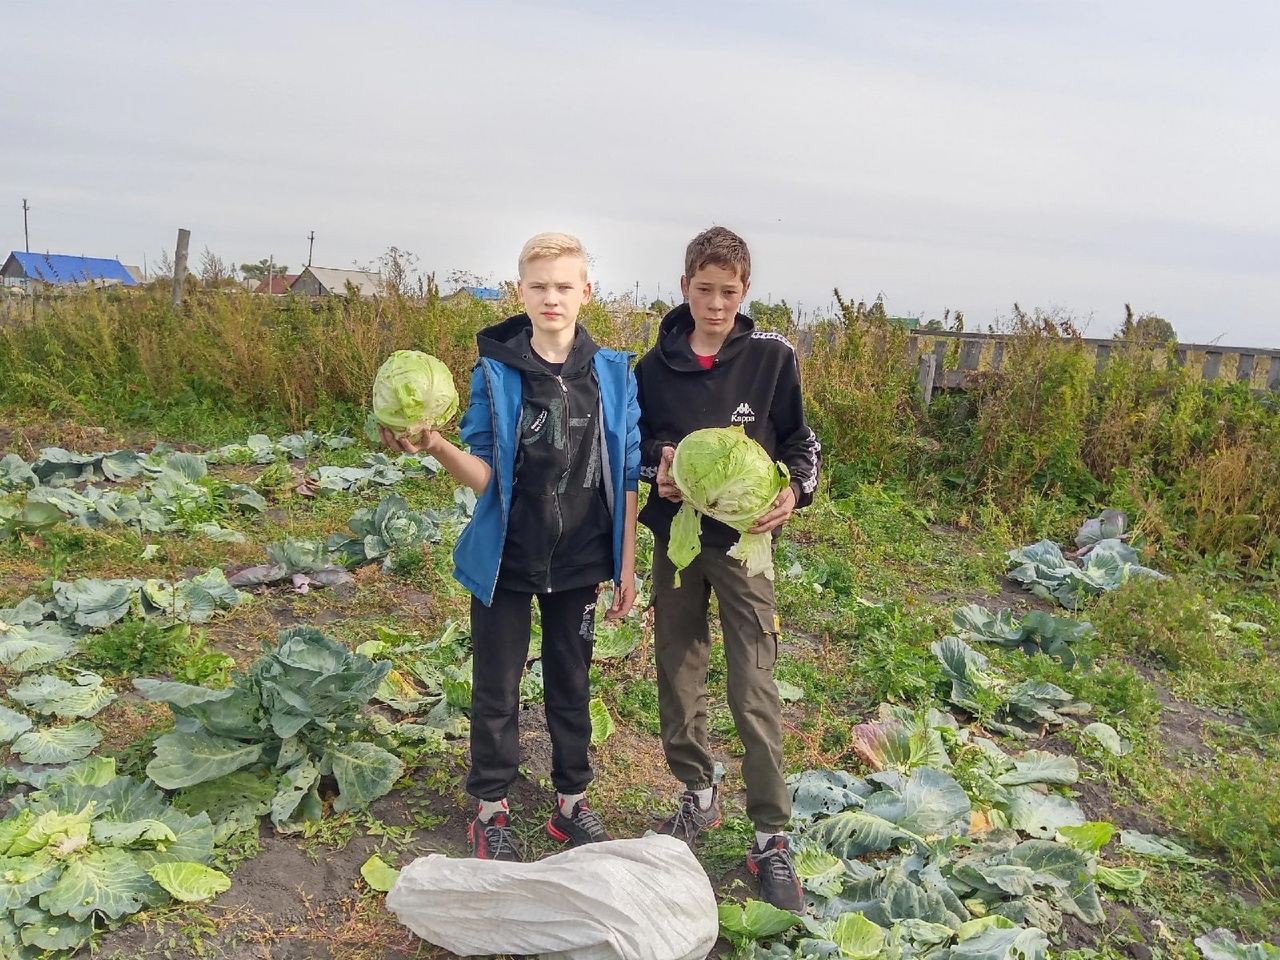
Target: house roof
484 293
335 281
57 268
280 283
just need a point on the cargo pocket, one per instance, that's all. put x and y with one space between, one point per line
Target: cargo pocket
767 641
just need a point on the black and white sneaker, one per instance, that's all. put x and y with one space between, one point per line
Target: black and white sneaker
582 825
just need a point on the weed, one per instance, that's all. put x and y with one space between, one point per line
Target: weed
1167 621
725 848
145 648
636 701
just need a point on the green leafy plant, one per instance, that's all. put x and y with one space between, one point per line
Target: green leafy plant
379 532
1037 632
88 849
1044 571
293 718
724 474
1024 709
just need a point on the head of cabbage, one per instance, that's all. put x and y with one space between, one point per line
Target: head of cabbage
413 392
723 473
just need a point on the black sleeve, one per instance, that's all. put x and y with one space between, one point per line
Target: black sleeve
650 446
798 446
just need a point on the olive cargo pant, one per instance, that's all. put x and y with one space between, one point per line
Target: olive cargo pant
682 647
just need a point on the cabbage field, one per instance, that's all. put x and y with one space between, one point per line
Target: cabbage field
236 689
1028 664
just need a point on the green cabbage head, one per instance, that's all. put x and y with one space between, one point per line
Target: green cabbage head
413 392
728 476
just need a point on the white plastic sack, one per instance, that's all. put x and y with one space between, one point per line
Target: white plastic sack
642 899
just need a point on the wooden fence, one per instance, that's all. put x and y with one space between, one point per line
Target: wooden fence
978 352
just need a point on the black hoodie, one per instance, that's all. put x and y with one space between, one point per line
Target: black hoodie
754 382
560 532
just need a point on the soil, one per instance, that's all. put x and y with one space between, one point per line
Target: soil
300 899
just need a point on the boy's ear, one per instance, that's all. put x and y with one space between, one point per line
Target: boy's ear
586 292
745 287
684 287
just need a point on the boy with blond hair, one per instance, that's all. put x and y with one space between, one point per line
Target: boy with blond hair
554 457
711 368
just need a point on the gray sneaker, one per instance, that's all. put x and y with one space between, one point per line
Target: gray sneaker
690 820
779 884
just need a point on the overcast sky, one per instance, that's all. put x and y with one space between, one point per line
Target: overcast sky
1063 154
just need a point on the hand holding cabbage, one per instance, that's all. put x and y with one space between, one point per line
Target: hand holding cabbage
723 473
413 393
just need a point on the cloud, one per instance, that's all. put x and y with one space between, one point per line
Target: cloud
1082 154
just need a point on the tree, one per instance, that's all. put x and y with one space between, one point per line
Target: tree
258 271
770 316
399 270
1147 329
660 307
162 269
855 313
214 271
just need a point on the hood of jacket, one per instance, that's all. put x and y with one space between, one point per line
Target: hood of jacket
510 342
673 340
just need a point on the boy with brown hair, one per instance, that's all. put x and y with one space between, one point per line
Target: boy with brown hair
710 367
554 457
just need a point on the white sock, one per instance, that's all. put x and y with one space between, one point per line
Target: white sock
704 797
567 802
763 838
489 807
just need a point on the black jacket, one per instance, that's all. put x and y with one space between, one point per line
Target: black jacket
560 532
754 382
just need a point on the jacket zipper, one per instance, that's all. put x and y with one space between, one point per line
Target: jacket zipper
568 445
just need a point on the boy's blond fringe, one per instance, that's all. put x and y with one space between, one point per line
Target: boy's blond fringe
551 246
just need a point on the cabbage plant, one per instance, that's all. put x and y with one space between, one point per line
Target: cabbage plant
88 848
413 392
723 473
295 717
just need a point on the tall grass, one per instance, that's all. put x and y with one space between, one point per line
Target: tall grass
1197 464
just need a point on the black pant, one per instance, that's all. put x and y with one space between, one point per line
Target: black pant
500 647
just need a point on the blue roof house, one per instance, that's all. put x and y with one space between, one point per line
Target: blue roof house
34 271
479 293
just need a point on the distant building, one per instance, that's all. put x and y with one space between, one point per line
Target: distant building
478 293
36 271
280 284
325 282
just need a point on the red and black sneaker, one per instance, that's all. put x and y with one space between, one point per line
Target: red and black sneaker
779 884
583 825
690 820
491 839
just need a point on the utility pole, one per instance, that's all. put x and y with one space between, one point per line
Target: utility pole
311 246
637 301
180 265
26 236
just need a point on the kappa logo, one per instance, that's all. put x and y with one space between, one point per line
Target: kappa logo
744 414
